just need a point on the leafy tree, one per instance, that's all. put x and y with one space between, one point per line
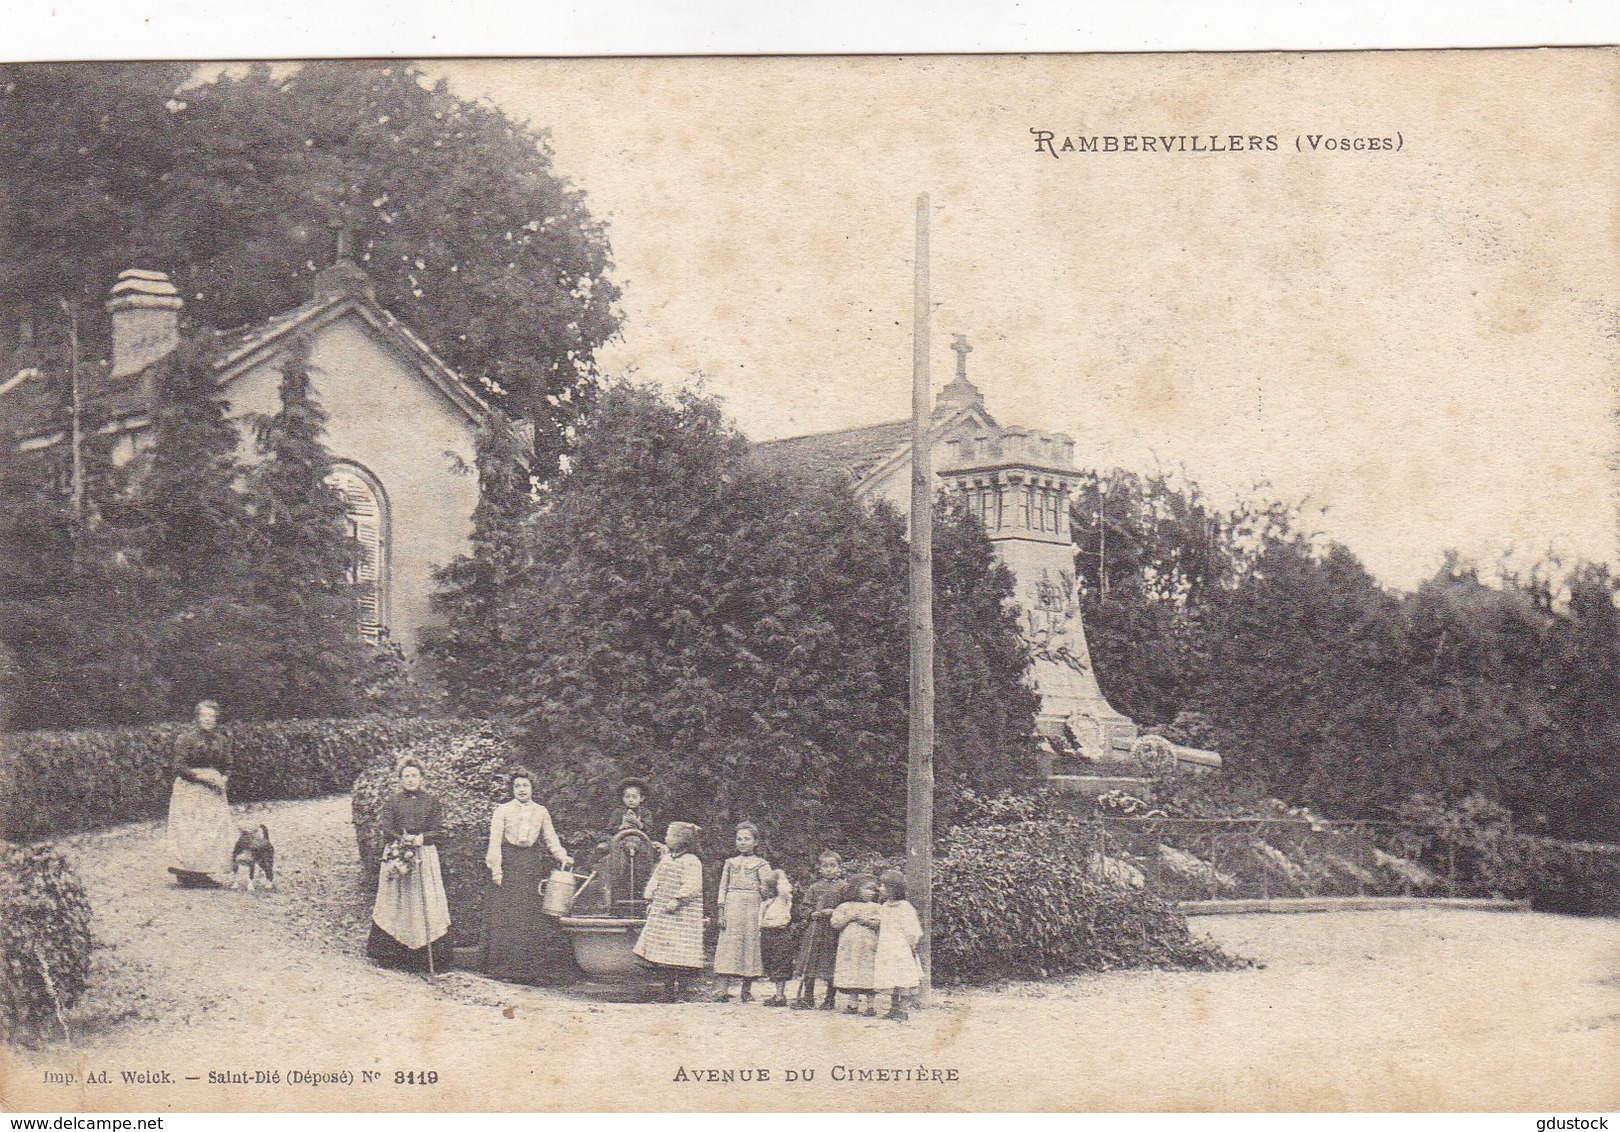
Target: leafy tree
670 607
85 153
1321 687
186 539
230 182
1571 783
984 707
1153 557
1308 686
471 641
70 596
302 556
1289 656
1479 655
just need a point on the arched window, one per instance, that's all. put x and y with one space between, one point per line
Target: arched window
368 527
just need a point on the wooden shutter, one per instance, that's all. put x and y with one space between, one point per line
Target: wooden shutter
368 527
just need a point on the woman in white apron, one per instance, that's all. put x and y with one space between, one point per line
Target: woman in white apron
411 915
201 835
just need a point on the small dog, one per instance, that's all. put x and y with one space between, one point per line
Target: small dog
253 850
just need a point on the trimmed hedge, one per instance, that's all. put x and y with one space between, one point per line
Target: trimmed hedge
1022 900
44 940
1011 901
1568 876
54 782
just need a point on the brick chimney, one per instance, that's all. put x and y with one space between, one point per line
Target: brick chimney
145 309
343 277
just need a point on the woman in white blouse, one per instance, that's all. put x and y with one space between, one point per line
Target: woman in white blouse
522 944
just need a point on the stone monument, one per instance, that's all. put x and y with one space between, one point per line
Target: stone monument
1018 482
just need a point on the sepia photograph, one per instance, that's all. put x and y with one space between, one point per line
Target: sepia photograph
914 583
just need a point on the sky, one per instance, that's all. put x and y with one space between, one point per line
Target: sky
1418 343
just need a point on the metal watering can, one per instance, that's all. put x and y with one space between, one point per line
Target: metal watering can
560 891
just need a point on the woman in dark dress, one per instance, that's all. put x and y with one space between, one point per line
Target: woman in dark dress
411 918
522 943
201 835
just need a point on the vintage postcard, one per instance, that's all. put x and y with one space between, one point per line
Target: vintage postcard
461 610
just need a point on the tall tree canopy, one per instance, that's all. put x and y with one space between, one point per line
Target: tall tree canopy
672 608
189 575
1322 687
231 182
303 559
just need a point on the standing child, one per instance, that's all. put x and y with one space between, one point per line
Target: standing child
895 967
856 921
742 891
818 953
776 936
672 938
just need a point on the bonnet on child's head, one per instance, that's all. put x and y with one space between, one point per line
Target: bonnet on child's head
852 890
680 835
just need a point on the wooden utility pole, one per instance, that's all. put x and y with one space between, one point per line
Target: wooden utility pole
920 771
75 425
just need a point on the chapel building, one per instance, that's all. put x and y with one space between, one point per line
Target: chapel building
400 423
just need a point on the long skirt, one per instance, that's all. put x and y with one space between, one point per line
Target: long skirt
201 834
411 912
737 953
521 943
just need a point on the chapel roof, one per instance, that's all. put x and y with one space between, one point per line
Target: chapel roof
851 451
35 409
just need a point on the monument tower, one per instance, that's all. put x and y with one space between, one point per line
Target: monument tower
1018 481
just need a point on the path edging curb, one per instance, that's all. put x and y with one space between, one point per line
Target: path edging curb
1281 905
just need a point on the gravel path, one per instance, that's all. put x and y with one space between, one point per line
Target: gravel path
1411 1010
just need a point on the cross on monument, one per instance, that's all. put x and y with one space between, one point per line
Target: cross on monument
962 351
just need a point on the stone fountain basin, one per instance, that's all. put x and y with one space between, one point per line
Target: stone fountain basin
604 946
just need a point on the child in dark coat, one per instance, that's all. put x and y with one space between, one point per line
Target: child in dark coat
818 952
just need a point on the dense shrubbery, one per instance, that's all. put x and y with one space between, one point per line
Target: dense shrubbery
731 629
56 781
1200 840
1317 684
1475 845
1472 843
1565 876
1206 837
1022 901
44 940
